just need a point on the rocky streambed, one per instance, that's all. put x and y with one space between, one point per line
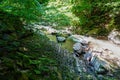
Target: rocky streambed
103 57
91 59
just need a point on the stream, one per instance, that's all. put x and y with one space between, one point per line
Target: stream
105 44
108 54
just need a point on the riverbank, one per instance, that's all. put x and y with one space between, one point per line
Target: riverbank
106 51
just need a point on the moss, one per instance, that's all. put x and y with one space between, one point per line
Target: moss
93 32
67 45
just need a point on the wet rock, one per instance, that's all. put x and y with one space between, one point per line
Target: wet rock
114 36
85 49
76 54
60 39
102 71
77 47
100 77
78 39
109 74
95 62
88 56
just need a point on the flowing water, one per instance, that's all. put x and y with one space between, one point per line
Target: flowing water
105 44
101 44
81 67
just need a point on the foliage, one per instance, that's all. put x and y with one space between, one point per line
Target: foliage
24 55
97 14
82 9
32 60
26 9
57 14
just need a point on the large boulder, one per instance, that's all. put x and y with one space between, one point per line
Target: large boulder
60 39
88 56
77 47
99 65
79 39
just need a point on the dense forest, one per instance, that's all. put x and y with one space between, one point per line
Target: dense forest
27 52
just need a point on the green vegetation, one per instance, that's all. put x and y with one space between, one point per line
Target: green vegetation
27 55
96 17
33 61
56 14
24 9
24 55
67 45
